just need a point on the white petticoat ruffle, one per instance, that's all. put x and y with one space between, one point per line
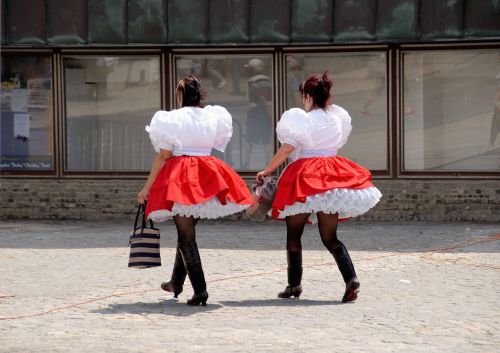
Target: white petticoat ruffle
209 209
347 202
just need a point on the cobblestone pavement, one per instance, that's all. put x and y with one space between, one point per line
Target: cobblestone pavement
65 287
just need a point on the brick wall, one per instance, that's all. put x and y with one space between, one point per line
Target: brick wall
403 200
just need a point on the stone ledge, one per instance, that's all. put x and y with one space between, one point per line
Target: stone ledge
403 200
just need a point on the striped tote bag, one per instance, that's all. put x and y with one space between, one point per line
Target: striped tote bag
144 242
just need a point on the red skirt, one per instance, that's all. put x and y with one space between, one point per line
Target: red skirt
311 176
194 180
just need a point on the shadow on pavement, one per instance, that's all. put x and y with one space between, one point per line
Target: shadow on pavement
246 235
165 307
280 302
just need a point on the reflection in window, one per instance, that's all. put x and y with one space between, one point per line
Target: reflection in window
243 85
360 87
109 101
26 117
452 110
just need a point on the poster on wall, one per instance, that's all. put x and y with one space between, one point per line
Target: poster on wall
21 147
14 100
22 126
5 99
38 92
19 100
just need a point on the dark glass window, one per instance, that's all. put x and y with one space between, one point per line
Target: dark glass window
311 20
354 20
482 18
187 21
397 19
26 21
270 21
106 21
26 116
3 17
441 19
66 21
232 21
147 21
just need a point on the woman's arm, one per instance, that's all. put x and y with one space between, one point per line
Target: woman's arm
161 157
276 161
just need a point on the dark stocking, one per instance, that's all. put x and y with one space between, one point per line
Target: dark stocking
186 232
327 224
294 229
190 254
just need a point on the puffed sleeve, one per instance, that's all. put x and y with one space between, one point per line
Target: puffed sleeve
224 126
292 127
345 119
164 130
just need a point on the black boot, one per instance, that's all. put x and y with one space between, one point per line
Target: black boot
346 268
179 274
194 269
294 270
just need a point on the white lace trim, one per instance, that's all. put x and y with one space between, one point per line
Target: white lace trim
347 202
209 209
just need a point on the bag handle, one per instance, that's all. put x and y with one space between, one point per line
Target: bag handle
141 210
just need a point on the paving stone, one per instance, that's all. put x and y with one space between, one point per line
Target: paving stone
424 288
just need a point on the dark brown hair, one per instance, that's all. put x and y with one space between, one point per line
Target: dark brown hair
189 91
318 87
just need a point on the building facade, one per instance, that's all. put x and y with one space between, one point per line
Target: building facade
81 79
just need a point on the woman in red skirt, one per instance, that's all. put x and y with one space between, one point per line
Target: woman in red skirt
186 183
318 186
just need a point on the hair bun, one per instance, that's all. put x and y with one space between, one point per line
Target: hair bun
318 87
191 91
327 82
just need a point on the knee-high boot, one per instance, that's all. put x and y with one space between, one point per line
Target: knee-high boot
192 262
346 268
179 274
294 271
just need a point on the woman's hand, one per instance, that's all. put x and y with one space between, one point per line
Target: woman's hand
280 156
260 176
142 196
160 159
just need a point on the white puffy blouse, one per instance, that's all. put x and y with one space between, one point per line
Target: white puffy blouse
320 132
191 131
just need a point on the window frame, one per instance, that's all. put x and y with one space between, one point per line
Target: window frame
65 53
389 171
395 93
426 174
53 172
271 50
